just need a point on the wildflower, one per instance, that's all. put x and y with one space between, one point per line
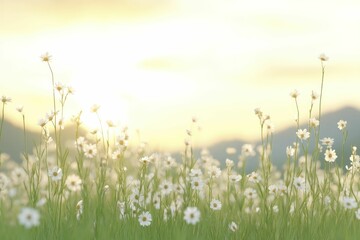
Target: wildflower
192 215
294 94
233 227
29 217
41 202
235 178
303 134
330 155
313 122
121 207
357 214
195 173
327 142
110 124
5 99
79 209
258 112
197 184
229 163
90 150
166 187
342 124
145 219
42 122
145 160
157 202
273 189
349 202
215 204
20 109
299 183
50 116
290 151
55 173
170 162
250 193
314 96
73 183
275 208
94 108
59 87
247 150
46 57
323 57
214 172
136 196
270 126
254 177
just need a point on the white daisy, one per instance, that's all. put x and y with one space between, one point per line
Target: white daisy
145 219
29 217
55 173
192 215
215 204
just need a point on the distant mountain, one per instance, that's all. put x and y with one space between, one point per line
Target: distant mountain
286 137
12 139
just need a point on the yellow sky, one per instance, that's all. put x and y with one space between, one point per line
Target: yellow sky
153 64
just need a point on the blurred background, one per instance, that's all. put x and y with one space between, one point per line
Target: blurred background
152 65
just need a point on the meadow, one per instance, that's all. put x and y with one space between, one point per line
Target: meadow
102 187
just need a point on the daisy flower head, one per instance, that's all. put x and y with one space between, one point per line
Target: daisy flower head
250 193
299 183
145 160
290 151
55 174
303 134
90 150
233 227
46 57
254 177
166 187
341 124
229 163
258 112
29 217
5 99
145 219
247 150
330 155
349 202
235 178
323 57
95 108
314 96
327 142
197 183
215 204
294 94
73 183
192 215
20 108
313 122
214 172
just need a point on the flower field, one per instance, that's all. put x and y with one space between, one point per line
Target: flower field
102 187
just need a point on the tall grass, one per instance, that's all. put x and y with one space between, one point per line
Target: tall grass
103 188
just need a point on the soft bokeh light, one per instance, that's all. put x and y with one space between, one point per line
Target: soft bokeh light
153 64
